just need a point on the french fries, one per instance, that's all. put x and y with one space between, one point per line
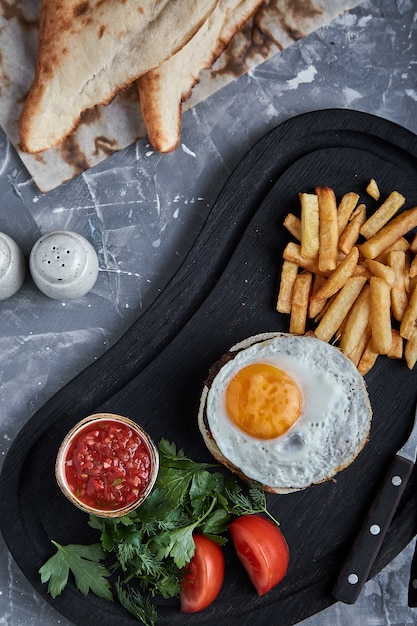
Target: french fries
409 321
301 293
309 225
352 277
356 326
382 215
285 295
328 229
399 299
345 209
293 224
397 349
373 189
316 305
338 278
381 271
350 234
396 228
380 315
410 351
368 358
339 308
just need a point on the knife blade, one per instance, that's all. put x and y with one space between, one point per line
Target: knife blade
357 566
412 585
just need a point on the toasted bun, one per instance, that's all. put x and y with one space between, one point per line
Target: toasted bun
359 400
89 50
162 90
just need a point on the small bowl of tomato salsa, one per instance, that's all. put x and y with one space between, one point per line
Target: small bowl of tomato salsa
107 465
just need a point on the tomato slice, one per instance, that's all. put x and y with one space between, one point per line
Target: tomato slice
262 549
203 577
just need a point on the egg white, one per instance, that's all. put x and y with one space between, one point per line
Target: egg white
331 430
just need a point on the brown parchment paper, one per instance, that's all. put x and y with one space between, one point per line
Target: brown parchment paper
106 129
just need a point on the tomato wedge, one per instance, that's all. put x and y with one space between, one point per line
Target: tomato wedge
262 549
203 577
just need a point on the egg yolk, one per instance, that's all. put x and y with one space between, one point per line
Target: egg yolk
263 400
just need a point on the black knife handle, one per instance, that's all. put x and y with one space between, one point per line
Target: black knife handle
361 557
412 587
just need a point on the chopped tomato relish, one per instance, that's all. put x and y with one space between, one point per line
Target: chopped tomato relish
108 465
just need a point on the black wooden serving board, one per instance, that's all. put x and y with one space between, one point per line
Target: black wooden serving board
225 291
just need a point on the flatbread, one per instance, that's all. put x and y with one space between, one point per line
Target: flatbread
91 49
106 129
163 89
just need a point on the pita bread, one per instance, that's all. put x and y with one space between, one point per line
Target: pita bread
162 90
89 50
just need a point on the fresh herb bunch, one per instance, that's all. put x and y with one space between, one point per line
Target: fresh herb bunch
149 548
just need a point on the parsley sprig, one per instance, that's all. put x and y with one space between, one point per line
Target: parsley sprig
148 549
84 562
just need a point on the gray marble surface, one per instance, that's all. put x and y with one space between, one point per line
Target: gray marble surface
142 211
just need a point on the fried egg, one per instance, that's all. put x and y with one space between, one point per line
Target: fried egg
286 411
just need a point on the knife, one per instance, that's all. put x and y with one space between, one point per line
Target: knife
412 586
356 568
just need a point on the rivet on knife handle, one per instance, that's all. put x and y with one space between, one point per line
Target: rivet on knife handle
358 564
